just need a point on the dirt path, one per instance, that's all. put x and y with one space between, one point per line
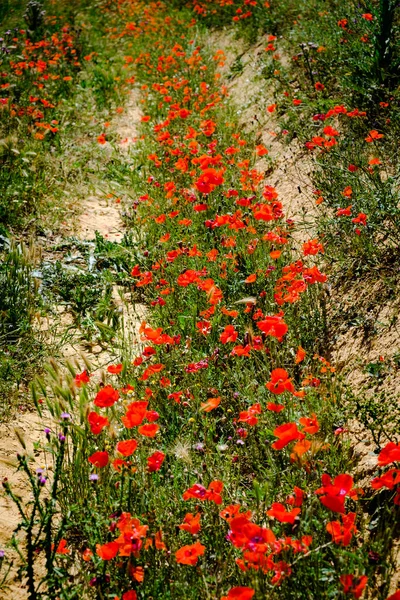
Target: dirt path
104 217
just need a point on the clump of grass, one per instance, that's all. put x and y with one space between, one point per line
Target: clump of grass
56 73
19 304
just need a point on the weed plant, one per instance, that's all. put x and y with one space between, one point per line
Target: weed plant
19 304
56 74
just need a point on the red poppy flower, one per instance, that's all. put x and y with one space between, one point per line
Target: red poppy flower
149 430
229 334
127 447
99 459
107 551
361 219
333 495
135 272
155 461
314 275
175 396
389 454
209 180
115 369
296 499
374 135
389 480
300 448
62 547
214 492
191 523
147 333
310 424
300 355
159 544
208 127
273 326
137 573
263 212
189 555
210 404
81 378
233 510
204 327
344 212
87 555
188 277
199 492
275 407
353 585
239 593
151 415
151 370
251 278
279 512
97 422
374 161
342 532
135 414
118 463
286 433
280 382
249 416
247 535
131 595
200 207
241 350
107 396
148 351
261 150
312 247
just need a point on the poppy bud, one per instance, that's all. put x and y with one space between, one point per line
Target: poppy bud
113 526
373 557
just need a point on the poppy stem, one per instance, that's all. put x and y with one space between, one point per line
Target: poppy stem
312 552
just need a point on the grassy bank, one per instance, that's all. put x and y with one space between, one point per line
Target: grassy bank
59 77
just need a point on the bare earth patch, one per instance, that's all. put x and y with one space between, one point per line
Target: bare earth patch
287 167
